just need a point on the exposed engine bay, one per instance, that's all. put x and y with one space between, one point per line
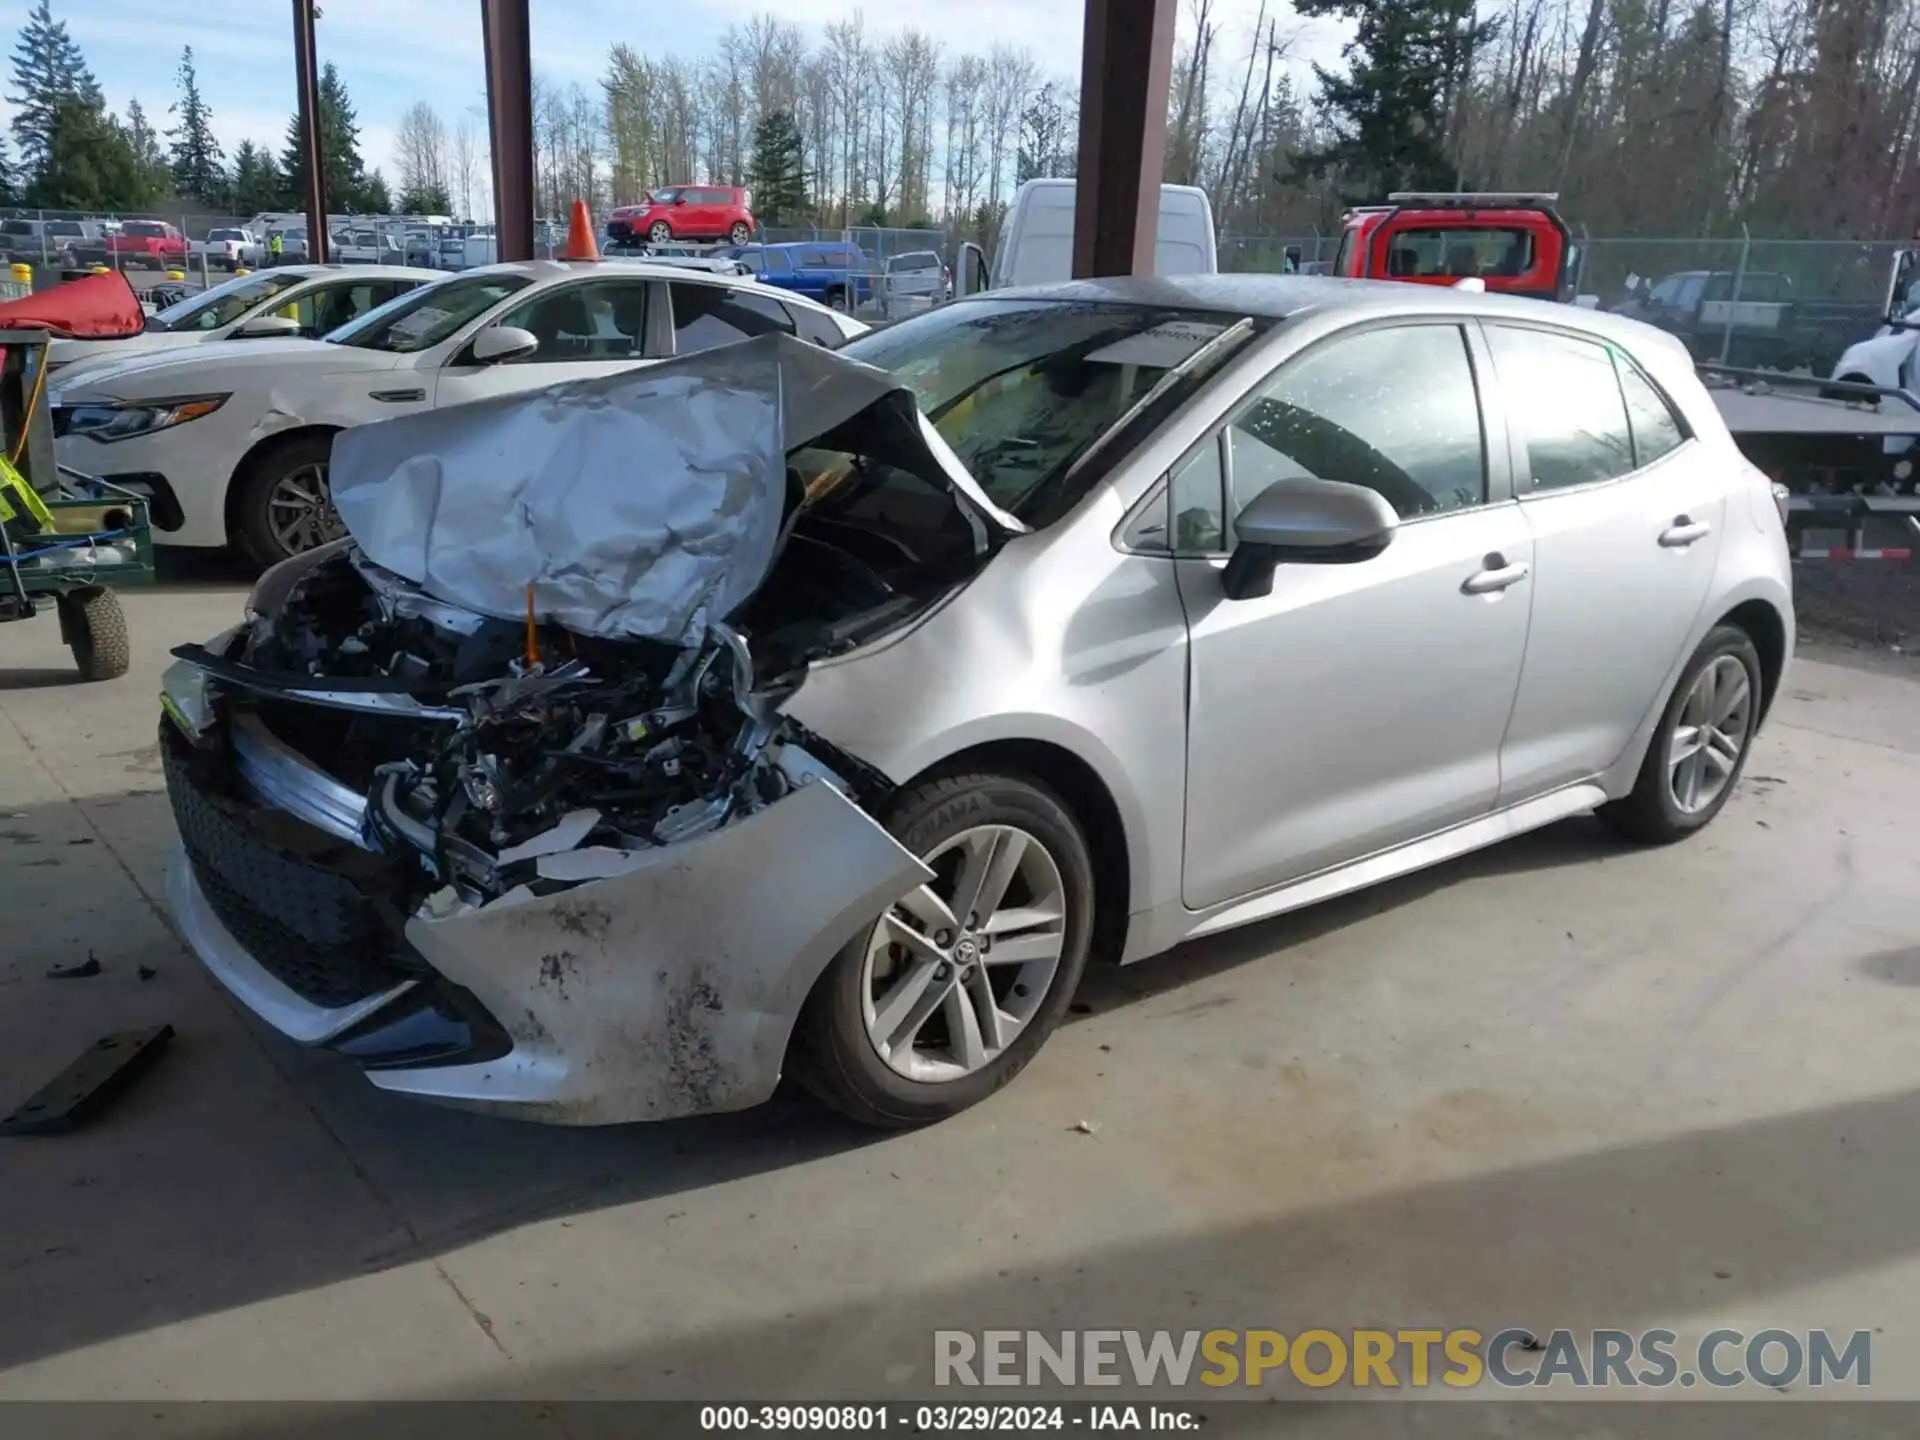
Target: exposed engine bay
512 756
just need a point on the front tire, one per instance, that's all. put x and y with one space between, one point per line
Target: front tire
1700 746
947 997
659 232
285 504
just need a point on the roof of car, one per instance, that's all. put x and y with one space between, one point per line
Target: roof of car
1276 297
545 270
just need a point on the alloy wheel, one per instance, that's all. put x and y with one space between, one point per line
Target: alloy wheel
300 511
957 969
1709 735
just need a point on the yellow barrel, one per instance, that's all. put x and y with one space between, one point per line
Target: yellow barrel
176 274
23 274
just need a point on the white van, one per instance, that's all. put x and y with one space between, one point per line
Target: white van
1036 239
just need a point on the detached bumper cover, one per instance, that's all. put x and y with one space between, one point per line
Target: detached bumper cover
670 989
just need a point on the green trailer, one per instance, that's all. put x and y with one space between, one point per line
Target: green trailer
68 542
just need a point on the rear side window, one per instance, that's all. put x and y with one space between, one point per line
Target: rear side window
705 316
1655 429
811 325
1566 400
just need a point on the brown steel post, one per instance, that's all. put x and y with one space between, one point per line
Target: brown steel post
307 84
1126 65
510 124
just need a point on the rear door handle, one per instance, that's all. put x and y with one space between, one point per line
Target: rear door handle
1495 577
1683 532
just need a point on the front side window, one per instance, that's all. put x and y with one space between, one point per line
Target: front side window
1564 396
705 316
1394 409
600 320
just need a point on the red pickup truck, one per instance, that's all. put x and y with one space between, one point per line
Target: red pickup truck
147 242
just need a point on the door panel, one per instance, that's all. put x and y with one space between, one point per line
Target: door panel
1358 706
1626 519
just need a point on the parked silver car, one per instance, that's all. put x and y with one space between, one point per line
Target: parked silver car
1091 619
915 281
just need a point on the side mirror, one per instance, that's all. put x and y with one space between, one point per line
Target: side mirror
268 327
973 277
1305 522
503 342
679 199
1906 272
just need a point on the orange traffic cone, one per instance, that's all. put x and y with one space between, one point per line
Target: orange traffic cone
580 242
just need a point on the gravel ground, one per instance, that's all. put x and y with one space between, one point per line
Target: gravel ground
1868 608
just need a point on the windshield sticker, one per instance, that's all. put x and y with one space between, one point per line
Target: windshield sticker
1161 348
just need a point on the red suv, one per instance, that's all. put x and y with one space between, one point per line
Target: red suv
685 212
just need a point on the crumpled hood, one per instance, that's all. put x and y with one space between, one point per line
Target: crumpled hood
214 363
646 504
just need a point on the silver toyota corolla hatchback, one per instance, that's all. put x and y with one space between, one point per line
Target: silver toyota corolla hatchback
776 711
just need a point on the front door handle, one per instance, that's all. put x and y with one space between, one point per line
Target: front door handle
1683 532
1496 577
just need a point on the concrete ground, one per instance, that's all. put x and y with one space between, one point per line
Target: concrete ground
1560 1084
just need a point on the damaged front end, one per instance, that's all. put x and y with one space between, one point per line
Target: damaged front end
573 863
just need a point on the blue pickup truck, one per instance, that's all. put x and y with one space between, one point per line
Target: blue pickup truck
833 272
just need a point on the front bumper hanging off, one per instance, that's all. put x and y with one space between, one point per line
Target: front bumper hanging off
668 989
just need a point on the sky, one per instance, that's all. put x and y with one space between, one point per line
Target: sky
393 52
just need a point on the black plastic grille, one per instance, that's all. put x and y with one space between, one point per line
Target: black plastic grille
308 925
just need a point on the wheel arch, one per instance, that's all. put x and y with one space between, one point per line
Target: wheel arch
1091 804
258 452
1767 628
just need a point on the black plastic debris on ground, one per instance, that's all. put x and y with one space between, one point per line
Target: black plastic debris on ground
72 1097
76 972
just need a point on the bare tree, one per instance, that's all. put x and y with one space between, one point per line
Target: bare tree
421 151
1011 75
465 169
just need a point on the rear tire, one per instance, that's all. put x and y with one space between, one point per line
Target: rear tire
740 233
266 523
835 1053
1687 776
95 629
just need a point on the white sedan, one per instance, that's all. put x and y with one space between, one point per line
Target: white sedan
231 441
292 301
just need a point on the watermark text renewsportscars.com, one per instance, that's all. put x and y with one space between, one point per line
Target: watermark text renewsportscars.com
1414 1359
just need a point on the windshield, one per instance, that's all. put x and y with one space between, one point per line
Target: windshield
224 304
1454 251
926 260
1021 388
64 227
423 318
226 235
148 228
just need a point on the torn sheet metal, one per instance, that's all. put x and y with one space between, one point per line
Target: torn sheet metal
646 504
671 989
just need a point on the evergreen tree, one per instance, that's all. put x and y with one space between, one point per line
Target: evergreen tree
427 200
157 178
195 158
9 181
349 188
48 71
90 163
1405 65
373 197
257 185
778 170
